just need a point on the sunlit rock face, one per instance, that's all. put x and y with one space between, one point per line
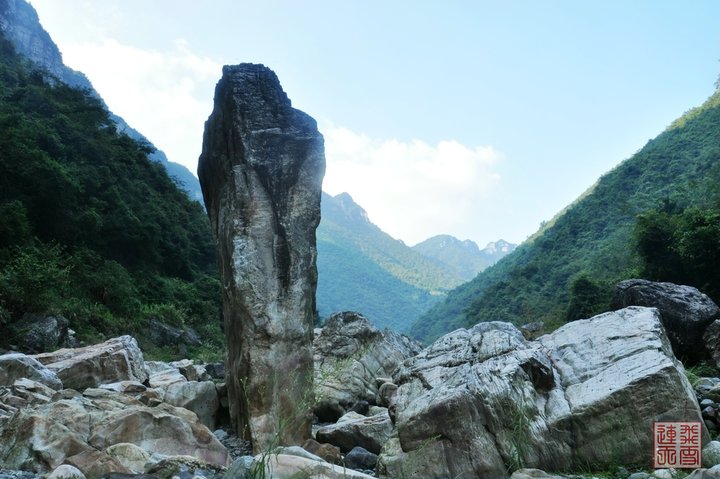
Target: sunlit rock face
484 402
261 171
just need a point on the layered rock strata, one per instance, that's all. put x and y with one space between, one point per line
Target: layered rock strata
483 402
261 171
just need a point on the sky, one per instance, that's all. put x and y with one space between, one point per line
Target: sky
479 119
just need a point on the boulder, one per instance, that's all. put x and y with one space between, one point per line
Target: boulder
711 339
191 371
66 471
186 467
16 366
286 466
533 474
711 454
327 452
350 353
164 378
261 171
162 334
129 456
354 429
37 333
216 370
198 397
685 312
81 430
117 359
95 464
484 401
125 387
361 459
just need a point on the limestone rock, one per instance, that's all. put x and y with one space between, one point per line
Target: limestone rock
327 452
350 353
711 454
129 456
186 467
261 171
285 466
16 366
361 459
198 397
354 429
164 378
95 464
483 401
117 359
66 471
533 474
711 339
77 431
40 332
685 312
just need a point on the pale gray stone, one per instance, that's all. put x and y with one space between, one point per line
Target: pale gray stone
285 466
711 454
350 354
568 399
17 366
261 171
354 429
66 471
117 359
198 397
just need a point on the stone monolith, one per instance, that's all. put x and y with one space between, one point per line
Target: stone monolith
261 171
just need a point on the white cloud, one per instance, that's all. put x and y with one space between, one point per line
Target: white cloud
412 190
166 95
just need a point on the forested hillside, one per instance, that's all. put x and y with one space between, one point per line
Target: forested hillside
568 268
91 228
363 268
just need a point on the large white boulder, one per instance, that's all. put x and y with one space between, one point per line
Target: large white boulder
117 359
484 402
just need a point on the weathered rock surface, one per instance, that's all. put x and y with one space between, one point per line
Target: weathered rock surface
287 466
711 338
327 452
185 467
18 366
361 459
66 472
350 353
685 312
129 456
117 359
198 397
354 429
483 401
37 333
22 394
80 431
261 171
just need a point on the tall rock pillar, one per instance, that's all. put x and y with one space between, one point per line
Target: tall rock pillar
261 171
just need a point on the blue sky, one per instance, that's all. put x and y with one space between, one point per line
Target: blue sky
473 118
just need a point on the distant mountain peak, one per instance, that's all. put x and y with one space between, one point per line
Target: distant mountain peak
349 208
464 257
499 246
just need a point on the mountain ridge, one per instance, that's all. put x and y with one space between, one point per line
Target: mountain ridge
592 238
21 25
464 257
